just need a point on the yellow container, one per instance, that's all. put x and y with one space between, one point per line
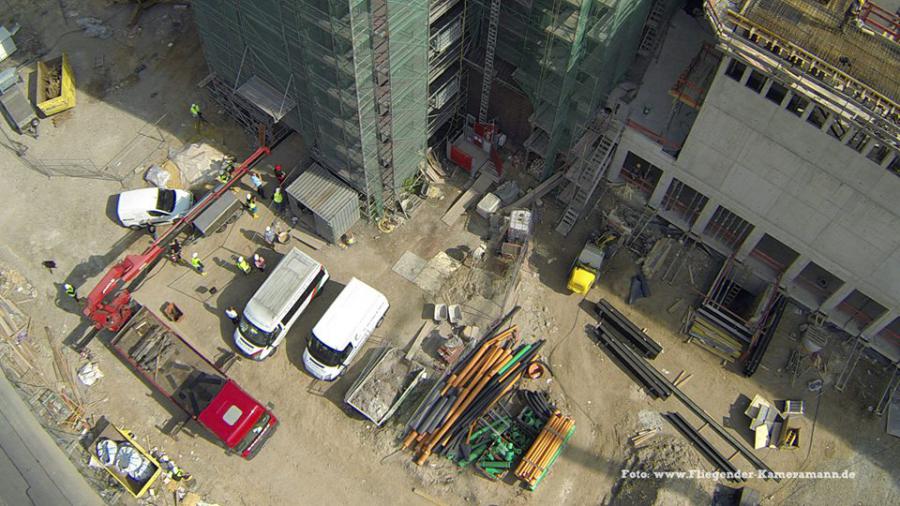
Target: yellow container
120 436
54 98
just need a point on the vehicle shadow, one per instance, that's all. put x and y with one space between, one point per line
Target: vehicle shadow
112 206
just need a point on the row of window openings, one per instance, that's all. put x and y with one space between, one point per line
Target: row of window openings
756 81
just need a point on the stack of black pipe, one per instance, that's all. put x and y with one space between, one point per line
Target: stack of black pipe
646 374
538 401
634 337
488 395
702 444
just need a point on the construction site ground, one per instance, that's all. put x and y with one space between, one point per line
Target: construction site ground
135 88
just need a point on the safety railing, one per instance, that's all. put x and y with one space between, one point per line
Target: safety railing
788 59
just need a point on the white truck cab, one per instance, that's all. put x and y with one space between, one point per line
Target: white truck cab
278 304
343 329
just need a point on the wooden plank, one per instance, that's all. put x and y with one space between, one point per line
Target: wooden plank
308 239
538 192
468 198
424 330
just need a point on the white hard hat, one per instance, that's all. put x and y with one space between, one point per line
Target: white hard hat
194 255
240 259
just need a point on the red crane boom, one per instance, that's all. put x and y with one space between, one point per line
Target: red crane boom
109 303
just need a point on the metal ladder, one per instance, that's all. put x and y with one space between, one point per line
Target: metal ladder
652 29
889 391
381 74
488 76
590 172
859 345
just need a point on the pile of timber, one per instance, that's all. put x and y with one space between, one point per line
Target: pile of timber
471 390
152 349
635 337
545 449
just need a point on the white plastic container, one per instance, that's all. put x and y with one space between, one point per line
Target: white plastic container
488 205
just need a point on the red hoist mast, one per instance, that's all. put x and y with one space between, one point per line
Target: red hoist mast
109 303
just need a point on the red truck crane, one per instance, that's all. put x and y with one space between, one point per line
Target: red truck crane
109 303
165 359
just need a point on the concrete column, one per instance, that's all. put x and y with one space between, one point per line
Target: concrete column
878 324
705 215
656 198
753 238
766 86
746 75
794 270
808 111
888 159
787 99
851 131
836 298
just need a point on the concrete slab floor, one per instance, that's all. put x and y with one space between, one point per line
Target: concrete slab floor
324 453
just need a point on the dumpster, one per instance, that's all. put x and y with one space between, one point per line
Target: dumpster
123 458
55 86
384 385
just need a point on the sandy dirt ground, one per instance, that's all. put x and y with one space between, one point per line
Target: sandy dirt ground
134 91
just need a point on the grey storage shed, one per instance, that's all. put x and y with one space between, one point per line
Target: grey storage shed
334 204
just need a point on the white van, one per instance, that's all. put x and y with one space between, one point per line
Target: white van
278 303
343 329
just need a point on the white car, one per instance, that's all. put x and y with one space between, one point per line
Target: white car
151 206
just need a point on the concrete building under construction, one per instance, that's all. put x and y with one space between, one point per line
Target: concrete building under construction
770 132
766 129
372 84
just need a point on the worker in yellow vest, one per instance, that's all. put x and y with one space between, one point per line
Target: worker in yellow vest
278 199
197 264
195 112
243 265
251 205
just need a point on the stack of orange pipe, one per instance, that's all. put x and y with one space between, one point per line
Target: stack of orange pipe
467 382
545 446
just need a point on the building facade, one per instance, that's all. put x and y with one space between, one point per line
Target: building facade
364 81
777 158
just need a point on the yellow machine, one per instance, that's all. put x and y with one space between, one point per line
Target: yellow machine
590 260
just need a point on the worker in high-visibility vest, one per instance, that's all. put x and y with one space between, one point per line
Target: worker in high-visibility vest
243 265
251 206
278 199
197 264
222 177
195 112
70 291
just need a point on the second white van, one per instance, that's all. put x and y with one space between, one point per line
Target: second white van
343 329
278 304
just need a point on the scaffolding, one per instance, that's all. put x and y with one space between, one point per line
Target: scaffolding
566 57
358 70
